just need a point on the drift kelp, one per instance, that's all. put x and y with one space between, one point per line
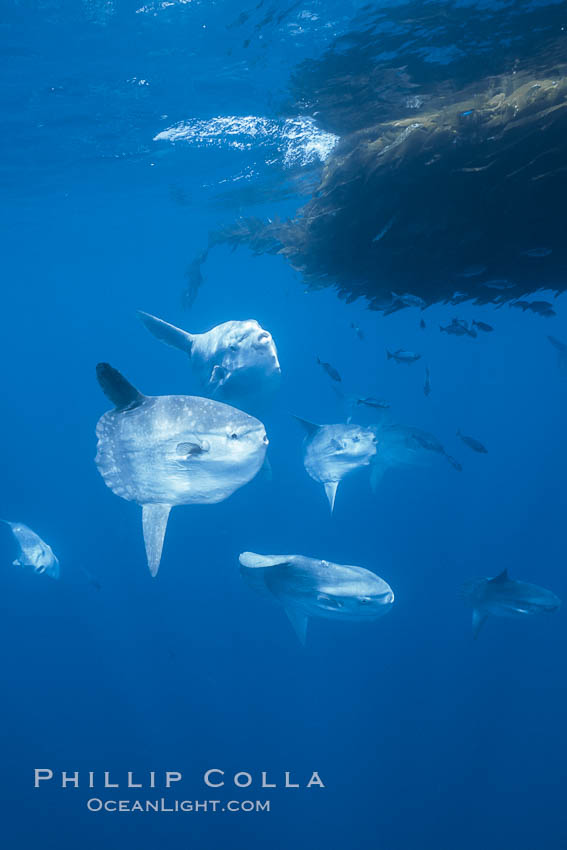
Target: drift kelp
411 204
448 180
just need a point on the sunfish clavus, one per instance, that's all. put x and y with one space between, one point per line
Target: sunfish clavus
161 451
34 552
233 359
504 597
332 451
308 587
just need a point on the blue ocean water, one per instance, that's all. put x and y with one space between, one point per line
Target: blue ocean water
424 737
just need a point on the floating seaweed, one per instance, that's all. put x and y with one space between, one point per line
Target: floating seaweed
444 190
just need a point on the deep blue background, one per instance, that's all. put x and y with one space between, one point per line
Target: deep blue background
423 737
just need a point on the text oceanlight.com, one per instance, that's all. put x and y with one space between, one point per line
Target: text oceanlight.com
95 804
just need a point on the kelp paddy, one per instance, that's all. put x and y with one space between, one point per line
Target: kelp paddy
445 191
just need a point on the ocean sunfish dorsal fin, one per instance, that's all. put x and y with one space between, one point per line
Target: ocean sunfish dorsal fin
556 343
501 577
310 427
154 521
299 621
478 618
115 387
167 333
254 561
331 491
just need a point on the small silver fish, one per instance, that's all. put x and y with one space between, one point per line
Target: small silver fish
371 401
473 271
330 370
473 444
401 356
410 300
499 283
427 384
356 329
537 253
458 327
393 307
483 326
380 235
541 308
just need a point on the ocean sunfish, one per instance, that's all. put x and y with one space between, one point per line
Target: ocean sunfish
405 446
307 587
34 552
232 359
161 451
332 451
504 597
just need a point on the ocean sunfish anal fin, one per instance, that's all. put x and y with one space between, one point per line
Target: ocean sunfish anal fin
266 469
331 492
478 619
154 521
115 387
376 474
299 621
167 333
